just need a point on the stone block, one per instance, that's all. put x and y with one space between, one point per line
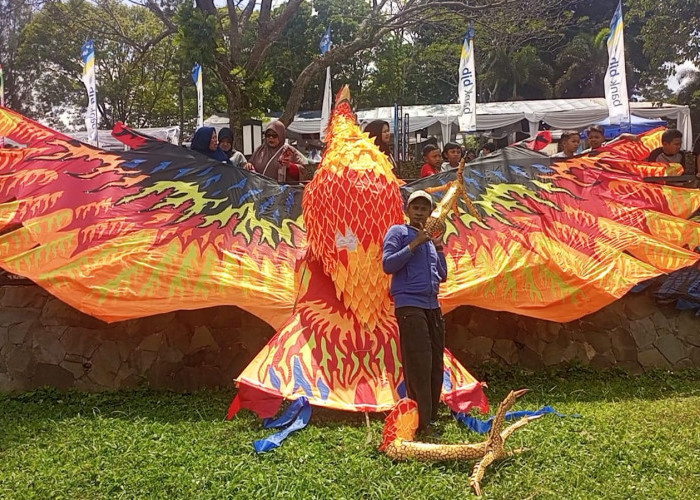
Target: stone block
530 340
506 350
6 383
643 331
202 339
689 328
21 333
530 359
19 361
205 357
58 313
584 352
662 325
624 347
694 356
639 305
480 347
76 368
630 366
192 379
24 296
163 375
651 358
548 331
600 340
672 349
457 337
169 355
4 336
12 316
684 363
81 341
47 345
53 376
603 361
143 360
178 336
606 318
105 365
152 342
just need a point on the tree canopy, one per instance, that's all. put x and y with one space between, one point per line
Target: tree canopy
261 57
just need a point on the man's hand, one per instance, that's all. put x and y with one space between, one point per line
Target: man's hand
420 238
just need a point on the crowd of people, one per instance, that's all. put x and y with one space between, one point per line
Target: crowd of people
277 159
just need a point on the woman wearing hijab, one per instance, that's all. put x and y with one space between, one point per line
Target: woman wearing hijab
226 145
276 159
206 142
380 132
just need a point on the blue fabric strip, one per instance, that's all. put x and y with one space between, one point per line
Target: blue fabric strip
484 426
295 417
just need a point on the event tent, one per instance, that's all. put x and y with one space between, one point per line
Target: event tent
441 119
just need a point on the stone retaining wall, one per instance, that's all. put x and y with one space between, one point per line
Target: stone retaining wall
46 342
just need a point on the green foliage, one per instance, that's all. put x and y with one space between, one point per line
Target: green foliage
637 438
136 71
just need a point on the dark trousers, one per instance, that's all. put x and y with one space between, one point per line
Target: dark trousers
422 337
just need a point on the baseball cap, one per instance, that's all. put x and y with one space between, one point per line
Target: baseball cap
419 194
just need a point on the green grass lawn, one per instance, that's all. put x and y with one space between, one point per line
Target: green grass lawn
638 437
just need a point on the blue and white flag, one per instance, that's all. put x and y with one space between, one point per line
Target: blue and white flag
197 78
325 44
467 84
87 56
615 77
327 90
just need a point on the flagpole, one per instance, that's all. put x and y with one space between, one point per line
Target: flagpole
467 84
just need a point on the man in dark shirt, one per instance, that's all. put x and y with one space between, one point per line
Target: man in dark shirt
417 265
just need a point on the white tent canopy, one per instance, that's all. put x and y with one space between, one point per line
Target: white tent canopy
558 113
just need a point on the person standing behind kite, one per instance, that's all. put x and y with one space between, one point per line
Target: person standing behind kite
381 133
206 142
276 159
226 145
569 143
418 266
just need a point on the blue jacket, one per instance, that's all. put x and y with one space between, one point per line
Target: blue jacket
416 276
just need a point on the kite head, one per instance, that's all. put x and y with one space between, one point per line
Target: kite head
352 201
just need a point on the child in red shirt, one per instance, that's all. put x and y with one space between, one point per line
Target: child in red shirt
433 160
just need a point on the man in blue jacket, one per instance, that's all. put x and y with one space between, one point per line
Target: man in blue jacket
417 265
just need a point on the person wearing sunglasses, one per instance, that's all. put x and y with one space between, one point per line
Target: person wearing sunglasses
276 159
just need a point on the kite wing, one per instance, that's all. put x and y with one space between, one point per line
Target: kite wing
557 240
137 233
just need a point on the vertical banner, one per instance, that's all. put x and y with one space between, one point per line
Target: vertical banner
615 77
325 46
467 84
87 56
197 78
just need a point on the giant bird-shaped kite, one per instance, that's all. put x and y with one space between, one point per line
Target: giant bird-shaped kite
159 228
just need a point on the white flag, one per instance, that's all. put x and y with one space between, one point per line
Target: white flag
197 78
467 85
91 115
327 104
615 77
